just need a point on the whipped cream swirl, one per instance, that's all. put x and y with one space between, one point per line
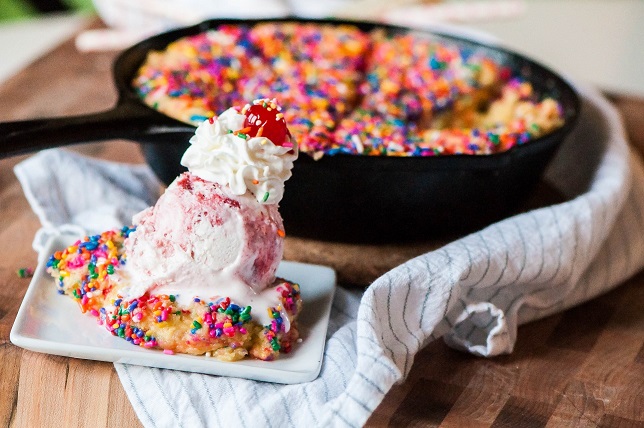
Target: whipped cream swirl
254 164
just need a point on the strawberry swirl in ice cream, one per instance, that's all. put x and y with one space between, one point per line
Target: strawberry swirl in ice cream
202 240
197 273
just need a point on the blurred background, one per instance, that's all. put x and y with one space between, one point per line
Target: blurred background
597 41
20 9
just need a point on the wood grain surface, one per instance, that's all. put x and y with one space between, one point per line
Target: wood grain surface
584 367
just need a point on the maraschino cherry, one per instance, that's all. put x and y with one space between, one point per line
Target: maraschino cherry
265 119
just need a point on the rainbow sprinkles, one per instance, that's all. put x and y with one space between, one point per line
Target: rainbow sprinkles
88 272
351 92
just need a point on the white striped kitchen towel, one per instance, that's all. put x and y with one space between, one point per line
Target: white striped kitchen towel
474 292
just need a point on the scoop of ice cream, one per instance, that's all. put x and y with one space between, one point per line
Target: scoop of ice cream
235 149
202 239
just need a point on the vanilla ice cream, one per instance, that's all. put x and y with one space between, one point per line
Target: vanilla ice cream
216 231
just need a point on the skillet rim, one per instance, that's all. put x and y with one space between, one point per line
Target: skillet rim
128 62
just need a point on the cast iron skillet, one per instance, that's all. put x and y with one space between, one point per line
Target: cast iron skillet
344 197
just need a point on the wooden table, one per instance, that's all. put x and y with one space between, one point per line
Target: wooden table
584 367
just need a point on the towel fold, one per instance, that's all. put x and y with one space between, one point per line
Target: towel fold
474 292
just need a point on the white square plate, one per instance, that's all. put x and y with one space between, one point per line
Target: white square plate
52 323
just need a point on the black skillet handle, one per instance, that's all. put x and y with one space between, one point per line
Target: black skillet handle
126 121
